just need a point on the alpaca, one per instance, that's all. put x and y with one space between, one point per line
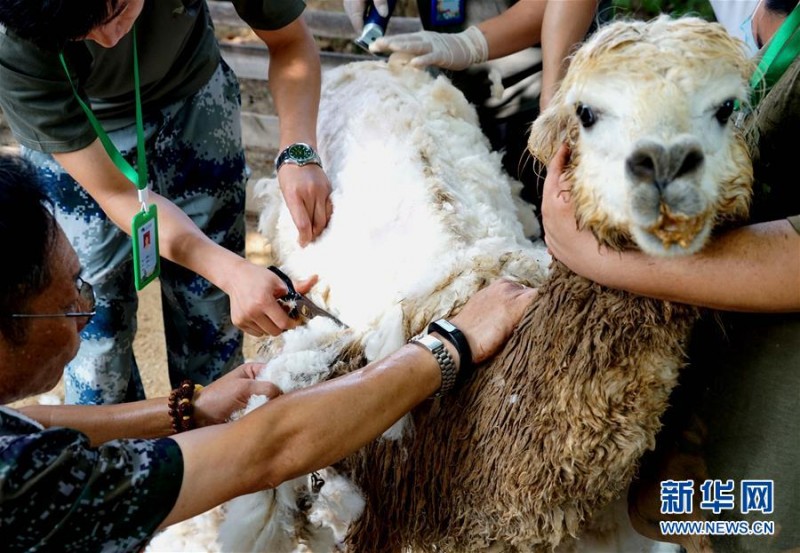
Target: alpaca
414 186
551 430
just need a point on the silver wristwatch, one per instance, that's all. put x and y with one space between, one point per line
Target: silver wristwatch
298 153
446 363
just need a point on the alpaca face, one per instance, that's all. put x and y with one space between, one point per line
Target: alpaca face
648 111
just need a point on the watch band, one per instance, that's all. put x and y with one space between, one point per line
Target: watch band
443 358
452 334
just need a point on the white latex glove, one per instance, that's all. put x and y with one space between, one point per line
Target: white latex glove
355 11
448 51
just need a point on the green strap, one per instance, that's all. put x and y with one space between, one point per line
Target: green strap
781 52
138 178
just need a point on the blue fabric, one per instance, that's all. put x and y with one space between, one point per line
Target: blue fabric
196 160
59 494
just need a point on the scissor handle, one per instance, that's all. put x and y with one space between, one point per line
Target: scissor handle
286 280
291 296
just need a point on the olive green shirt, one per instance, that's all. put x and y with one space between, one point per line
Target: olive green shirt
178 53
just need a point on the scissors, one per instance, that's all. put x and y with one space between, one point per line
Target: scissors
299 304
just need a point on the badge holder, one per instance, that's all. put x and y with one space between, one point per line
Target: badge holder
144 226
144 234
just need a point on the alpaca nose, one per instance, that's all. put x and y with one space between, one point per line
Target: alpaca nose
654 163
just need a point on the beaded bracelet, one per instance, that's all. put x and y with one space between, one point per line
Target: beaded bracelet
181 407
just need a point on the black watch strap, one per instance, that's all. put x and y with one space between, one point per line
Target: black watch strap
452 334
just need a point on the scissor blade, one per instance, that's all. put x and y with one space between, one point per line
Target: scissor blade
309 310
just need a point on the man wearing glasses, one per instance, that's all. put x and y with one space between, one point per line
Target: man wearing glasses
105 478
86 300
195 167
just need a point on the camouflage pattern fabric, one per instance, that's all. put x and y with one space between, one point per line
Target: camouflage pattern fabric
59 494
196 160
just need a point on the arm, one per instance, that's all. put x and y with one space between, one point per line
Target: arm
253 290
516 28
565 24
294 80
149 418
311 428
557 24
752 268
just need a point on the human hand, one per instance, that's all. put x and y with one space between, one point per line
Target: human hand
216 402
558 215
355 11
254 293
306 191
489 317
575 248
449 51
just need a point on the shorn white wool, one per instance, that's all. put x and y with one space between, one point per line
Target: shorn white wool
424 216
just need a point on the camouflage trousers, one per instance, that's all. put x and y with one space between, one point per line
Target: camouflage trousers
196 160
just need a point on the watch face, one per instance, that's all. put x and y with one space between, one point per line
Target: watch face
300 152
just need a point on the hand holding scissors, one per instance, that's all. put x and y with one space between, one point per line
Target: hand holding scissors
298 304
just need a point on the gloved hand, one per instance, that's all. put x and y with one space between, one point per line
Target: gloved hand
355 11
448 51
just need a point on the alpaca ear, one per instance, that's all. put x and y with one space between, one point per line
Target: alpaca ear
548 131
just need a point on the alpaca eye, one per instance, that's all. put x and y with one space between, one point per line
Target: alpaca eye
725 111
586 115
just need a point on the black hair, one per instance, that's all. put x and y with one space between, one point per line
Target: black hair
28 232
50 24
783 7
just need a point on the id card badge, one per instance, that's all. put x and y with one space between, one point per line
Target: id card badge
146 261
447 12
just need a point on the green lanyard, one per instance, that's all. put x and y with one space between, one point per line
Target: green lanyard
779 55
139 177
144 227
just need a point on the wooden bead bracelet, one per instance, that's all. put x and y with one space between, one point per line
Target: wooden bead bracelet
181 406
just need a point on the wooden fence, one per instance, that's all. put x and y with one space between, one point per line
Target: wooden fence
251 60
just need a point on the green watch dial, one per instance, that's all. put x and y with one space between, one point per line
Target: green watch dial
300 152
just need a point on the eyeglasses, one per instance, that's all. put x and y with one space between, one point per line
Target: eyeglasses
86 293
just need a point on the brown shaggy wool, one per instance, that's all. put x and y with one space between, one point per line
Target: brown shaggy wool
552 429
578 399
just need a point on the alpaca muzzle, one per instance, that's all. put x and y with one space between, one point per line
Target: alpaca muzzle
658 165
671 175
